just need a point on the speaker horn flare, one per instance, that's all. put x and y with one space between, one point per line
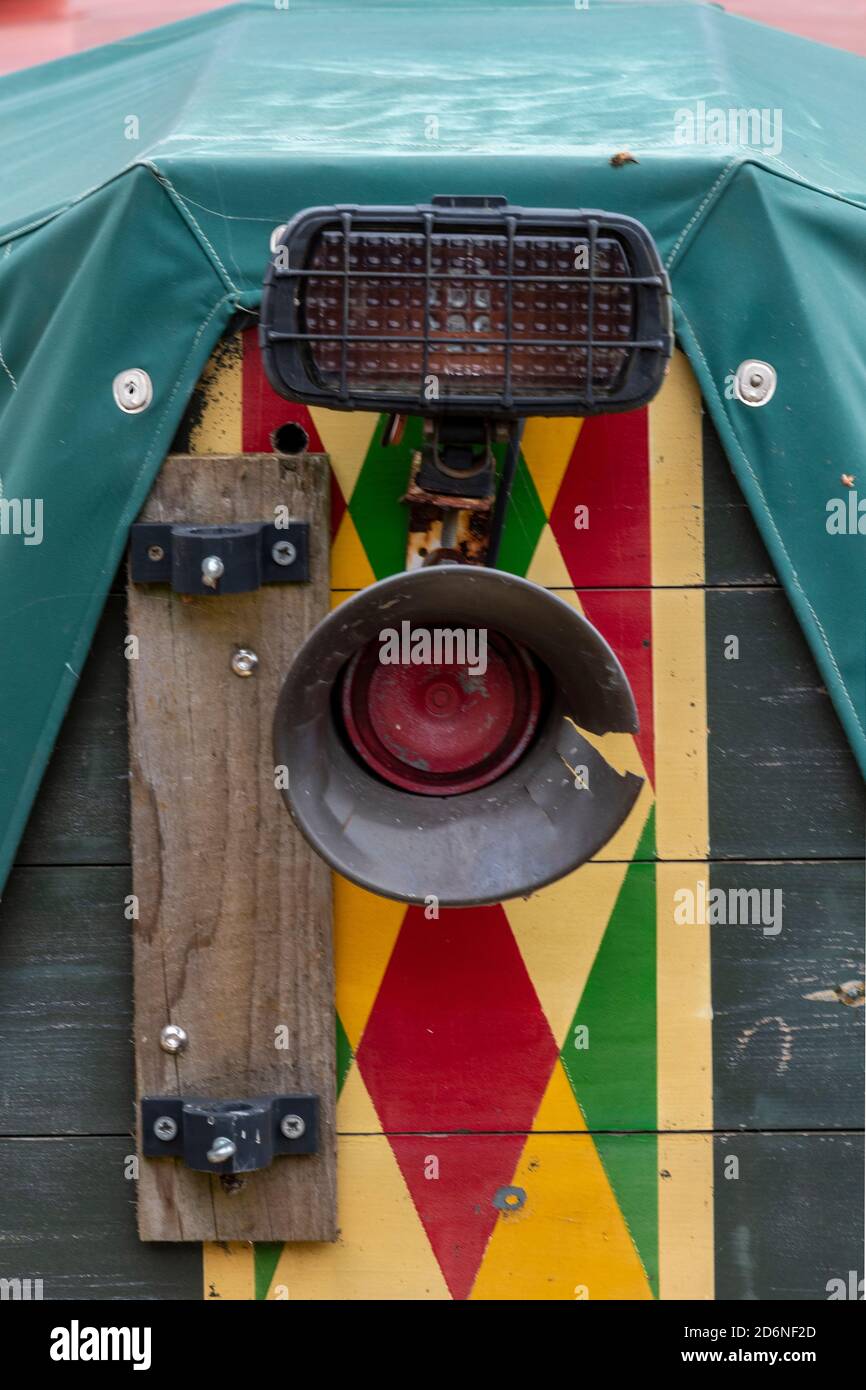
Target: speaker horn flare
465 780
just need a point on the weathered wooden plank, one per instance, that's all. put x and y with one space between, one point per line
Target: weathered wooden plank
779 1031
65 1002
81 815
783 781
233 939
67 1217
791 1219
788 1224
733 550
787 1041
783 784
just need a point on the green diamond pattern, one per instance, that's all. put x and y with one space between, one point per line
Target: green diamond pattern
614 1078
380 517
344 1054
524 523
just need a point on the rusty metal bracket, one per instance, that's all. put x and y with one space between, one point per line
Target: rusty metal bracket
442 526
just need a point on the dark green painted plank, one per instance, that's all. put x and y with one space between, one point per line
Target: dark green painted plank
65 1002
67 1217
81 815
733 550
782 1057
787 1225
65 989
783 782
793 1218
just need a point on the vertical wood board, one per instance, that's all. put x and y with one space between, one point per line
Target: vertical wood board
233 937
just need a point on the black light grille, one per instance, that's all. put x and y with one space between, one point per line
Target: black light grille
490 309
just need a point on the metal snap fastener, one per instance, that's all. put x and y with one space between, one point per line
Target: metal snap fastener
755 382
133 390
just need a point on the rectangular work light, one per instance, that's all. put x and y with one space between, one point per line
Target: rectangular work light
469 306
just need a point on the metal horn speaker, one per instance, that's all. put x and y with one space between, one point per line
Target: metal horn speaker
418 774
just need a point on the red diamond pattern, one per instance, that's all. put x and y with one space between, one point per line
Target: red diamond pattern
608 473
625 618
453 1181
457 1041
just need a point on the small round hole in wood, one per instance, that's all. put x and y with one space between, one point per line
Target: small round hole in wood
290 438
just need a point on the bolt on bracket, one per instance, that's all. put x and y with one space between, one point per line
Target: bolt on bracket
229 1136
232 559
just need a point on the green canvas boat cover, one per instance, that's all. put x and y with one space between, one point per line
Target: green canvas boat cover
141 183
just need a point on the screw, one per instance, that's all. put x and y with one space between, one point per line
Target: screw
244 662
133 390
165 1128
292 1126
221 1150
284 553
173 1038
155 553
212 569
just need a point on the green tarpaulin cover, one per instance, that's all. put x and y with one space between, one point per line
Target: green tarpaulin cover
140 184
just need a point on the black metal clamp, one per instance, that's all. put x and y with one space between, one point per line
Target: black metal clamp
458 459
229 1136
219 559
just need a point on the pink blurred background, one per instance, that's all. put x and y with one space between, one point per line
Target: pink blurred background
34 31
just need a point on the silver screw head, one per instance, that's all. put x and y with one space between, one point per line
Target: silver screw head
244 662
284 553
221 1150
165 1128
292 1126
173 1038
133 390
212 569
755 382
